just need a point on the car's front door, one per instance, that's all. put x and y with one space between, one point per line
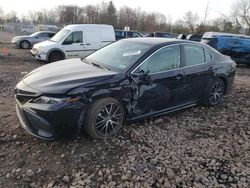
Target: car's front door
198 70
41 37
73 45
159 82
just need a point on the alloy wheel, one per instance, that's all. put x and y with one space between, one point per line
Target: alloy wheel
109 119
25 45
216 93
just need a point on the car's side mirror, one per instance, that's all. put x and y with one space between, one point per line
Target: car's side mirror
143 76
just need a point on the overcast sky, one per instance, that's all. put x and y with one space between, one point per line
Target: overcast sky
174 8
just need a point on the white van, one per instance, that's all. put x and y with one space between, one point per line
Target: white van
28 29
74 41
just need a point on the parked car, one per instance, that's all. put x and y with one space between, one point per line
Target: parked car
127 80
235 46
181 36
194 37
122 34
28 41
161 34
73 41
48 28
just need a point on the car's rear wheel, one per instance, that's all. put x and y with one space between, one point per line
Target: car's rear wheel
104 118
55 56
24 44
215 92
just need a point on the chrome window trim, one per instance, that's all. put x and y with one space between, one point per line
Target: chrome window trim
204 47
152 55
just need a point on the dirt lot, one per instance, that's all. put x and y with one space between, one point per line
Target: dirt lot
197 147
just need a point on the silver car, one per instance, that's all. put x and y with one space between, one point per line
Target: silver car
28 41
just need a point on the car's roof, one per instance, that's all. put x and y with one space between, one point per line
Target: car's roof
45 32
155 41
82 26
126 31
195 35
220 34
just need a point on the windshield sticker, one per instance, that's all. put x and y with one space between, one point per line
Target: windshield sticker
131 53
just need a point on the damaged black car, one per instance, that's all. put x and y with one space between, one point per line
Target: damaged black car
127 80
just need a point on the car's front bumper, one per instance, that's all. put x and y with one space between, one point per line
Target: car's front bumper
37 55
15 44
51 122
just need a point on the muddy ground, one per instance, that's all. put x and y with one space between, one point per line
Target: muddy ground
197 147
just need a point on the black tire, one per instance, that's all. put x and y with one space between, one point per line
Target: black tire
214 93
104 118
25 44
55 56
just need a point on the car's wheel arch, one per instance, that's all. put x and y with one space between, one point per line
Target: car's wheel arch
107 93
55 50
224 79
24 40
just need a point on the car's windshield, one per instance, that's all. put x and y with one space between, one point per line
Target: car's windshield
60 35
34 34
120 55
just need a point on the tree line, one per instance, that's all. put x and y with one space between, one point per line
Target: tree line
107 13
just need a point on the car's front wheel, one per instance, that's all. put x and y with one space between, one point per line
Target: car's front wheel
214 93
25 44
104 118
55 56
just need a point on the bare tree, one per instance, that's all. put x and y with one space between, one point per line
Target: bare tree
191 20
69 14
1 16
91 14
241 13
111 14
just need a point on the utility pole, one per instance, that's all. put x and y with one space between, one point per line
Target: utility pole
206 13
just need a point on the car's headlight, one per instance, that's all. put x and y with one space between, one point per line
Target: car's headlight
53 100
14 40
40 49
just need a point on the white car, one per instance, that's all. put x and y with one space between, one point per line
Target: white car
74 41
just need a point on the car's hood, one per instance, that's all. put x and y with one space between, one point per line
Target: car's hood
21 37
44 44
62 76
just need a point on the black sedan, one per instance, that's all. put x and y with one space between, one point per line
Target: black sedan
127 80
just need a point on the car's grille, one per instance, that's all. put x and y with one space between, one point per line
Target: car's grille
23 99
24 96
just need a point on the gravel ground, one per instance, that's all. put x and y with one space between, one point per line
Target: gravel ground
197 147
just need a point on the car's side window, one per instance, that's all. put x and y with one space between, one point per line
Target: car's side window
208 56
129 34
43 35
51 35
135 34
75 37
119 33
194 55
167 58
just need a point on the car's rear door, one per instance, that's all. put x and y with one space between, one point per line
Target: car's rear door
92 40
163 87
198 70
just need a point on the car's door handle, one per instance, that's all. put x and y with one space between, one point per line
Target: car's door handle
210 68
179 76
88 44
81 44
